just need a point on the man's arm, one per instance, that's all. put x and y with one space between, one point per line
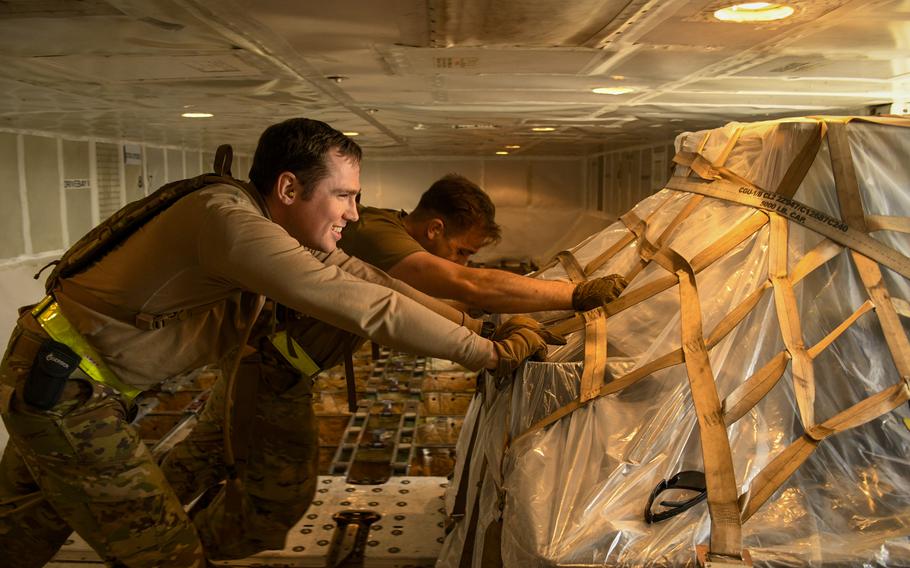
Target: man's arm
368 272
489 289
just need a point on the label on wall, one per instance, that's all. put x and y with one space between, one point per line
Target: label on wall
132 154
76 183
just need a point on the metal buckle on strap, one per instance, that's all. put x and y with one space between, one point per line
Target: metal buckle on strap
149 322
687 480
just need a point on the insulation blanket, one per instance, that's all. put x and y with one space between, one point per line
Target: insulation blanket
575 492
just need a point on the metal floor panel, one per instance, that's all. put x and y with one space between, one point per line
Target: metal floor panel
408 533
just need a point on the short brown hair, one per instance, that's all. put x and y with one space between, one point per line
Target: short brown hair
462 206
299 146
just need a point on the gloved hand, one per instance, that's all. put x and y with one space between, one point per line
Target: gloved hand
509 327
596 292
515 341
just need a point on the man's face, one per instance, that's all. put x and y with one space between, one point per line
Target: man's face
459 248
317 221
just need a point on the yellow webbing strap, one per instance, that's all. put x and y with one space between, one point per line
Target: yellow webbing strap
294 353
51 318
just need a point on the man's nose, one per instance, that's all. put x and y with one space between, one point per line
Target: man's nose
351 213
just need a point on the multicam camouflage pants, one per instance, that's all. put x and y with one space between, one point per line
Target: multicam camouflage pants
81 466
279 480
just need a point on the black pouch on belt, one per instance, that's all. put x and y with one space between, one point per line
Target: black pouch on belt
54 363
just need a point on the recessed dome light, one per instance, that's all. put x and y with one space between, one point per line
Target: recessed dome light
543 129
512 146
612 90
351 133
197 115
754 12
502 153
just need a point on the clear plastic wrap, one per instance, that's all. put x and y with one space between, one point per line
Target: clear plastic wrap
574 494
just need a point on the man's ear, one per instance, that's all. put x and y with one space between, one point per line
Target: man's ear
284 188
436 229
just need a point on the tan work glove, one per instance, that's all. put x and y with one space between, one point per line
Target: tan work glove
516 340
597 292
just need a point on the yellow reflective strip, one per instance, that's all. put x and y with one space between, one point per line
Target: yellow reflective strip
60 329
302 362
907 423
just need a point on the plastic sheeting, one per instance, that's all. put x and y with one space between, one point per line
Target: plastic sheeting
575 493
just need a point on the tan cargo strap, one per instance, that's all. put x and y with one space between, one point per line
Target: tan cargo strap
51 318
788 319
570 264
727 324
822 223
141 320
720 478
702 260
595 365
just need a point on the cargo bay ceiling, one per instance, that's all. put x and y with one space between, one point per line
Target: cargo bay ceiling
439 77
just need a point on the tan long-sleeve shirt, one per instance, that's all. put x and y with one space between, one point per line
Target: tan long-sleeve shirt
218 244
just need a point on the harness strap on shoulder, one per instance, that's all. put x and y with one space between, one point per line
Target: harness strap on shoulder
223 157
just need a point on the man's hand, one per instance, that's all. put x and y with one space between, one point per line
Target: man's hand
516 340
597 292
524 322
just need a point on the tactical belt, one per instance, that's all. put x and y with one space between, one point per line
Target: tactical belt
52 320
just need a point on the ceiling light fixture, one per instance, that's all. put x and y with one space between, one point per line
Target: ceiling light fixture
754 12
512 146
197 115
613 90
502 153
543 129
351 133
